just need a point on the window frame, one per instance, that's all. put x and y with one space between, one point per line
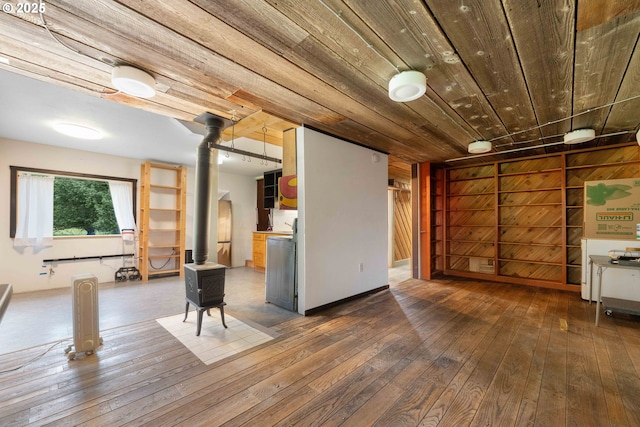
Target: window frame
13 203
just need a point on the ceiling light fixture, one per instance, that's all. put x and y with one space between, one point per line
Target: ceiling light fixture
133 81
77 131
407 86
479 147
579 135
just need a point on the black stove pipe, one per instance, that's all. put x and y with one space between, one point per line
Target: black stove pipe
202 208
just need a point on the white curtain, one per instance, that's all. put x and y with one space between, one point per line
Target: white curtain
35 210
122 198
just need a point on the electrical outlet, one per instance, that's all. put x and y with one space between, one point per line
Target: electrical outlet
361 267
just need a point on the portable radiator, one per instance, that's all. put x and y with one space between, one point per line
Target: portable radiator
86 331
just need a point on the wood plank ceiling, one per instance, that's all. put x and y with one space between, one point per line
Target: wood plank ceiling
510 71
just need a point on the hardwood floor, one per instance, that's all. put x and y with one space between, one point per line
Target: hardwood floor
438 353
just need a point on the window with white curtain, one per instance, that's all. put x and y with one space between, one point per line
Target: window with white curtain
74 205
122 199
35 210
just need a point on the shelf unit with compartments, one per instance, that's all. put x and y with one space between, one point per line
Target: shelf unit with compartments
163 193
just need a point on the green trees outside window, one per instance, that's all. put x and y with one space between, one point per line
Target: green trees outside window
82 207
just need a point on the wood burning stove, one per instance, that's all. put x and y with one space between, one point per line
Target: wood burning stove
204 285
204 280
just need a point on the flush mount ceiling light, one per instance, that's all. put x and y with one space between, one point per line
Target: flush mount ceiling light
407 86
77 131
579 135
479 147
133 81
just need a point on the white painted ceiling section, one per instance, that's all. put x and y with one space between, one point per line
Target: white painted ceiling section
30 107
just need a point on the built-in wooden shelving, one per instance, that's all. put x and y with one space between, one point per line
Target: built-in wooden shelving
519 220
163 218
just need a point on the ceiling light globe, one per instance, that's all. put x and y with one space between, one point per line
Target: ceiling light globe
133 81
579 135
407 86
77 131
479 147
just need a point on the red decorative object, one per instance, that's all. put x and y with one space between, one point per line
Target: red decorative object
288 196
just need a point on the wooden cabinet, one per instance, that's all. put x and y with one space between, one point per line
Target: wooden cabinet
271 188
260 249
289 156
163 193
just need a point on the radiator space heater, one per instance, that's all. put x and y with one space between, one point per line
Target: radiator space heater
86 331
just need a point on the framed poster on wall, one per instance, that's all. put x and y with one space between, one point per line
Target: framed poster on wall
611 208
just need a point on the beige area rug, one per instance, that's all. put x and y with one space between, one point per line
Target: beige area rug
215 342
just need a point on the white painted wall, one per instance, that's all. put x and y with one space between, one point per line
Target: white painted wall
283 219
342 219
242 191
22 267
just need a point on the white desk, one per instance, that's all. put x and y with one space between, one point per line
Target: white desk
626 306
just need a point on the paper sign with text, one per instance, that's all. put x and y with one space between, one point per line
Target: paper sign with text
611 208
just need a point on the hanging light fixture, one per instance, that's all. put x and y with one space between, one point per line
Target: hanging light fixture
133 81
479 147
579 135
407 86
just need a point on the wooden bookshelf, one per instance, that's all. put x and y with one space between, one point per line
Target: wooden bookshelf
162 219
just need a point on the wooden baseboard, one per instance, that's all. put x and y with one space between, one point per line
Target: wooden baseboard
342 301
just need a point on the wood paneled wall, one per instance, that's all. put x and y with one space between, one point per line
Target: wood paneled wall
517 221
402 223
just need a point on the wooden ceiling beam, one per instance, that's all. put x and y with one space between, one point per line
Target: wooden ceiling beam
251 127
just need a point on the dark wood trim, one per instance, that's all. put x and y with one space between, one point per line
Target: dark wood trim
416 191
13 203
73 174
344 300
426 221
